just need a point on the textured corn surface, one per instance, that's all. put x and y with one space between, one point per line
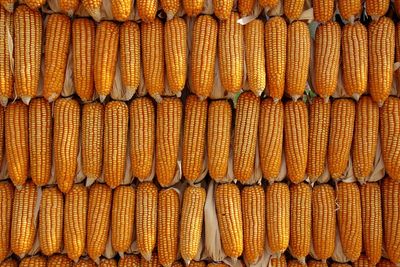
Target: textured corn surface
36 261
6 71
223 8
314 263
245 7
397 51
349 9
337 264
129 52
6 205
293 8
10 262
363 261
147 10
278 262
59 260
69 6
129 261
193 7
151 262
121 9
268 3
294 263
385 263
2 134
93 7
170 7
197 264
323 10
376 9
108 263
85 262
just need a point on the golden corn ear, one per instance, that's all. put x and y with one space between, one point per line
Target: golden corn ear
294 263
278 261
198 264
6 71
116 121
170 7
129 52
270 138
323 10
147 10
254 231
349 219
218 138
17 142
296 139
85 262
293 9
191 223
168 224
152 44
377 9
318 137
397 51
326 58
27 51
194 137
2 133
122 218
142 136
37 261
69 6
66 141
146 218
231 53
278 217
57 38
365 138
169 120
269 4
385 263
83 46
371 212
129 261
340 136
93 7
314 263
51 221
222 8
23 225
323 221
59 260
105 57
245 7
255 55
245 135
355 59
177 264
151 262
6 205
363 261
350 9
203 54
300 220
337 264
8 5
108 263
193 7
121 9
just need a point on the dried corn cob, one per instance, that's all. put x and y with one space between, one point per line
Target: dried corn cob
147 10
85 263
397 51
10 262
323 221
17 142
337 264
197 264
69 6
66 141
57 38
105 57
121 9
168 224
146 218
27 49
268 4
193 7
93 7
108 263
385 263
6 204
23 226
169 118
323 10
116 119
6 71
213 264
37 261
377 9
296 139
170 7
278 261
2 133
51 221
363 261
245 7
129 261
59 260
151 262
8 5
231 53
293 9
340 136
194 137
83 43
191 221
314 263
203 53
350 9
270 138
318 137
223 8
294 263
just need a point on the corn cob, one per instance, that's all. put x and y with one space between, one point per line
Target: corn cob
245 7
377 9
278 261
23 225
76 203
365 137
130 55
10 262
6 204
142 136
83 46
293 9
69 6
92 139
218 138
253 209
147 10
340 136
223 8
8 5
294 263
390 136
349 219
314 263
152 44
105 57
255 55
337 264
193 7
151 262
121 9
27 51
231 53
296 139
245 135
51 221
169 118
323 10
323 221
98 220
203 53
177 264
6 71
122 218
194 137
381 47
146 218
318 137
168 224
298 58
108 263
36 261
397 51
17 142
217 265
385 263
129 261
350 9
59 260
270 138
66 141
278 214
93 7
85 263
300 220
2 133
326 58
58 31
170 7
268 4
191 223
363 261
197 264
116 119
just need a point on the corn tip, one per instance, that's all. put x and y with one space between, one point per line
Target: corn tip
26 99
3 101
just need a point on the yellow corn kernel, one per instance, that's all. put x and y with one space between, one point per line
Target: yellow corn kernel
59 260
198 264
6 205
147 10
151 262
268 4
293 9
36 261
84 262
6 71
170 7
350 9
108 263
323 10
223 8
377 9
129 261
121 9
337 264
314 263
385 263
278 261
294 263
93 7
193 7
69 6
363 261
2 133
245 7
